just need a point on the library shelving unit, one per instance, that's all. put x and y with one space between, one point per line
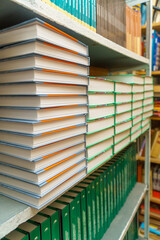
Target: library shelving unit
103 53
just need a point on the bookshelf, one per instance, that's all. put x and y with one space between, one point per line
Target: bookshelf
103 53
156 73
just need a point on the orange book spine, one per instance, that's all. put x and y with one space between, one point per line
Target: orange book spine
130 28
127 26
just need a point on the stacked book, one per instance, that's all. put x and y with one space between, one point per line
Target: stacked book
87 210
99 139
147 102
43 107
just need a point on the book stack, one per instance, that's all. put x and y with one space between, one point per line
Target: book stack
81 11
87 210
43 100
99 139
147 103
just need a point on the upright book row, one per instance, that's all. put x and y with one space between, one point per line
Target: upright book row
119 111
87 210
43 108
82 11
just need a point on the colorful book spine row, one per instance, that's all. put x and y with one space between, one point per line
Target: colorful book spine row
82 11
155 51
133 30
87 210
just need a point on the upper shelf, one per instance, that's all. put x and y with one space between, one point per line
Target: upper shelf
103 52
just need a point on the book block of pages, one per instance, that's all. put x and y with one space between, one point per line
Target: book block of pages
137 104
137 119
42 163
42 89
137 111
123 117
38 203
137 88
96 137
145 121
119 146
136 134
122 87
38 29
123 97
100 85
148 94
148 101
96 99
138 96
136 127
150 87
34 141
148 80
98 148
51 172
146 127
147 114
41 101
128 78
38 46
100 159
44 62
42 75
101 111
119 137
123 126
42 114
40 152
32 127
148 107
124 107
100 124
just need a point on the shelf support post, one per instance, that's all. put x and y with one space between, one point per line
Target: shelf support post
147 182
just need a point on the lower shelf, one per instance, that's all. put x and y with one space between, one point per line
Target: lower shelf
155 200
122 221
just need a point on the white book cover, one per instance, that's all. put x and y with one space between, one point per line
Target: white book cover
101 111
99 124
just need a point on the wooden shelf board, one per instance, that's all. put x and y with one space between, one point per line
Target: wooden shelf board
155 200
155 73
153 160
103 52
155 26
155 118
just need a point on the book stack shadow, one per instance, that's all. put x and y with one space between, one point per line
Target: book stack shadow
43 108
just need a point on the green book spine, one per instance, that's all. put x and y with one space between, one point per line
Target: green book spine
83 210
73 8
54 222
80 10
77 9
98 210
93 200
70 6
86 12
76 198
89 12
87 188
83 11
45 230
64 219
104 197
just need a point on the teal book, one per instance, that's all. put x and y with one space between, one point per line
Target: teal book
73 215
80 10
101 188
98 207
14 235
89 12
87 188
83 11
93 199
64 219
94 15
76 198
83 210
105 200
54 222
44 224
77 9
70 7
32 230
73 11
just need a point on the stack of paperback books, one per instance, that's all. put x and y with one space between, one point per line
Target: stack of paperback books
43 100
87 210
99 139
